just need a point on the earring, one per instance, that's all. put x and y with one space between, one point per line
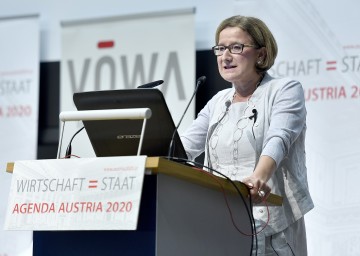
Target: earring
259 61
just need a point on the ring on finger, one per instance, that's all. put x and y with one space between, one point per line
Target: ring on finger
261 193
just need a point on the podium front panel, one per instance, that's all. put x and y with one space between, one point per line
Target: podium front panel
195 220
176 218
105 243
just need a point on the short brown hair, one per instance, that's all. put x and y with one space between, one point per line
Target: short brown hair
260 34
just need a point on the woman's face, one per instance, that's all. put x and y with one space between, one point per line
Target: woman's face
237 68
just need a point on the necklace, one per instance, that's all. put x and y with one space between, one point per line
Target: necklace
239 128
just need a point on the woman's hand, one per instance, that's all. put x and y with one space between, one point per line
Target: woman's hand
257 182
259 190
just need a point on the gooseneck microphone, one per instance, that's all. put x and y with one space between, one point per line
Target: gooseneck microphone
201 80
227 105
151 84
213 127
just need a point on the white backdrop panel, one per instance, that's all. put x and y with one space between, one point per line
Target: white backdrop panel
127 51
322 52
19 90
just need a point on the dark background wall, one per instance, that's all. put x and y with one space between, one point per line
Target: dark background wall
49 105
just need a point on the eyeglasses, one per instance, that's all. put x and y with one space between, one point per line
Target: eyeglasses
233 48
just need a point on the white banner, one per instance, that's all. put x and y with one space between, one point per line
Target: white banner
19 90
76 194
125 52
323 52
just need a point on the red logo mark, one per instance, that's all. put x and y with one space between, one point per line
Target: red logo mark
105 44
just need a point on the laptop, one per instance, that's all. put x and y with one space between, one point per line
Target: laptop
121 137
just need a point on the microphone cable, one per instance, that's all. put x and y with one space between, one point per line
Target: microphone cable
249 209
68 149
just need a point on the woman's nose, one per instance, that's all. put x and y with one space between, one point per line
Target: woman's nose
227 56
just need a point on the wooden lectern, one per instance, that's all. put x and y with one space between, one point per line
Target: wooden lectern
183 211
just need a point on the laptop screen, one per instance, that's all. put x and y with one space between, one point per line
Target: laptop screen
121 137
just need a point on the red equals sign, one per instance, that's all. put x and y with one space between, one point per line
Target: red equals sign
93 183
331 65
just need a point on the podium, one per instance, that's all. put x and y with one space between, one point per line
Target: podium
183 211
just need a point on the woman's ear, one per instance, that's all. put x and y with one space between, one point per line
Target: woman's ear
261 55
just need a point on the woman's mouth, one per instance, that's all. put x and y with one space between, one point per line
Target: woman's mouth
229 67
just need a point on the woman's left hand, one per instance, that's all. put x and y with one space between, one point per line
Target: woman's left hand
259 190
257 181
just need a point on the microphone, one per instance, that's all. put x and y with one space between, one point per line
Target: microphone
151 84
201 80
212 129
68 150
255 113
227 105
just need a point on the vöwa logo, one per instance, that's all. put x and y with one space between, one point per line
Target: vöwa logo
118 67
